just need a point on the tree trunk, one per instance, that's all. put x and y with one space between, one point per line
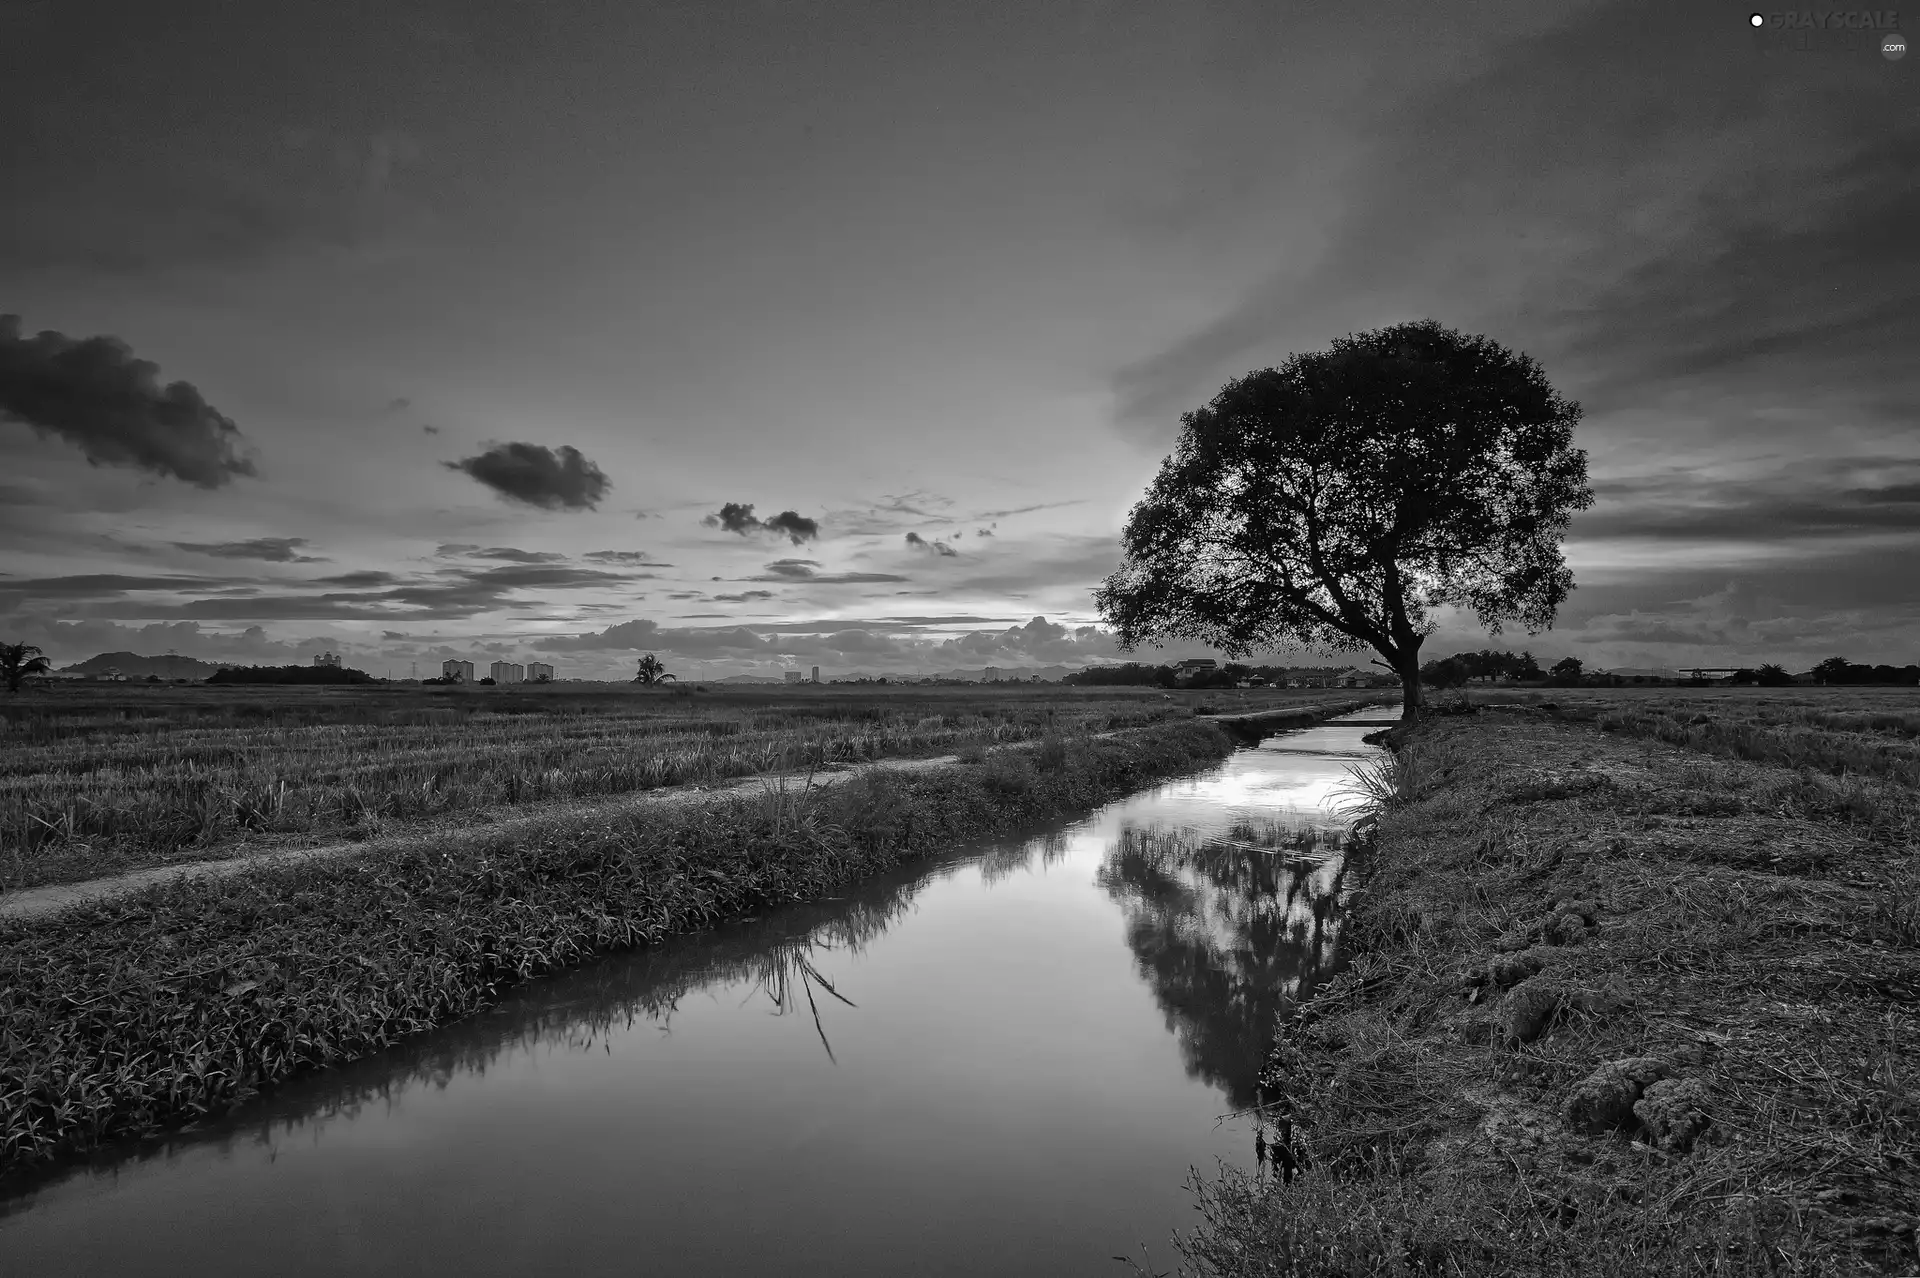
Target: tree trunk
1410 690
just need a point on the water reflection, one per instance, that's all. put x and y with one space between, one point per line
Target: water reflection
1229 928
962 1041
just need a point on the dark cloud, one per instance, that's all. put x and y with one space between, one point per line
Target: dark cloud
505 554
745 596
738 518
430 430
734 517
807 570
1027 510
279 550
634 558
536 475
399 405
359 580
983 532
918 542
797 527
854 578
1814 499
101 585
363 596
97 396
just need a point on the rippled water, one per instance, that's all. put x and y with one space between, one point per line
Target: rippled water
1005 1061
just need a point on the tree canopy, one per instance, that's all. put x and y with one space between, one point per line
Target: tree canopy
652 671
1339 501
18 661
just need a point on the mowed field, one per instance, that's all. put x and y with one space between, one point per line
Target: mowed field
1866 732
99 780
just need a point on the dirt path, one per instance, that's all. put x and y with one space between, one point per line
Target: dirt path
35 902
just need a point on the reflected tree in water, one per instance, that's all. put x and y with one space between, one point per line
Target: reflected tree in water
1229 929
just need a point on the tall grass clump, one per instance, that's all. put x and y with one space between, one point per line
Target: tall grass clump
146 1011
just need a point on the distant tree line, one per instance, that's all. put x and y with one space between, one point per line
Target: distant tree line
1838 670
289 675
1451 672
1231 674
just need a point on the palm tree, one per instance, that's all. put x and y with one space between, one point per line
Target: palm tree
18 660
652 671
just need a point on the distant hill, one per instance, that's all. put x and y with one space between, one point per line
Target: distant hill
135 666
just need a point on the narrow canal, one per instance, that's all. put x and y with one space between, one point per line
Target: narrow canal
1005 1061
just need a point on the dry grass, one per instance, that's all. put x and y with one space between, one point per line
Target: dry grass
1750 932
1867 732
102 781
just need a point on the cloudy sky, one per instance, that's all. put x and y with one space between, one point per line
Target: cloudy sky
774 333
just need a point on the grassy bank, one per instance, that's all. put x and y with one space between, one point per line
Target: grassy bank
1615 1006
149 1011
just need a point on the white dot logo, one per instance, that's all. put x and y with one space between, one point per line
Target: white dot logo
1893 47
1756 20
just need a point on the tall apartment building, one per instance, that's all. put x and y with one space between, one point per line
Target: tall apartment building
538 671
508 672
816 674
328 659
461 670
794 676
991 674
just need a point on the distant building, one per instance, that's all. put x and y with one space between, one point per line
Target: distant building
328 659
461 670
794 676
991 674
539 672
1194 664
508 672
816 674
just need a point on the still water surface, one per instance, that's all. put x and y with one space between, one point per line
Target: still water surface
1005 1061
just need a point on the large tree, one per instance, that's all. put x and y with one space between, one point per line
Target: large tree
1338 501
